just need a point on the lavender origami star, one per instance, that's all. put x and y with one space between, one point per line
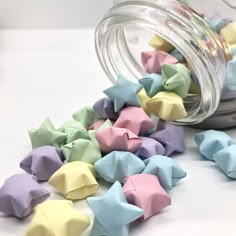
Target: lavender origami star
43 162
20 194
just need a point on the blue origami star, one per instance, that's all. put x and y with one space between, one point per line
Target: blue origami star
231 72
113 213
152 84
166 169
175 53
219 24
124 92
211 141
226 160
117 165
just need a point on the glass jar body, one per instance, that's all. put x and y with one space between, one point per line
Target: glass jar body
125 30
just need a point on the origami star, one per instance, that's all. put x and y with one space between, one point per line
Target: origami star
118 139
75 180
229 32
145 191
46 134
166 169
81 150
134 119
167 106
74 130
124 92
150 147
170 136
219 24
212 141
115 203
231 72
175 53
160 43
43 162
152 84
226 160
86 116
105 108
117 165
153 60
20 194
143 99
57 218
176 79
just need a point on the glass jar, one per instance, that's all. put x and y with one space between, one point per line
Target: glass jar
123 33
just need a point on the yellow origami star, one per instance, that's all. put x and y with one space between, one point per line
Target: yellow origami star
229 33
160 43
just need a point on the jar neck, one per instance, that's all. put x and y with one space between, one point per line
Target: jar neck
183 28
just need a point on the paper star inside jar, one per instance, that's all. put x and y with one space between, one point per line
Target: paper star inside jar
166 169
231 72
123 213
175 53
57 218
160 43
145 191
229 32
75 180
124 92
20 194
46 134
42 162
153 60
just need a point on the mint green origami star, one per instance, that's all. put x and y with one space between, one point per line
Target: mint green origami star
46 134
124 92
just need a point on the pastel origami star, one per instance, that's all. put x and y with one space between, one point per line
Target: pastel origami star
115 203
170 136
166 169
86 116
143 99
175 53
226 160
152 84
124 92
20 194
153 60
75 180
81 150
57 218
231 72
212 141
160 43
42 162
105 108
229 32
145 191
176 79
118 139
167 106
219 24
134 119
74 130
117 165
46 134
150 147
96 125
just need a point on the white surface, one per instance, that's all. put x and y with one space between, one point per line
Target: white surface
54 73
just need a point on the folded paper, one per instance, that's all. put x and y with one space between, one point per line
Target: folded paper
42 162
167 106
46 134
81 150
176 78
212 141
134 119
145 191
150 147
166 169
229 33
143 99
124 92
175 53
226 160
160 43
75 180
105 108
20 194
231 72
170 136
219 23
96 125
152 84
113 213
117 165
57 218
153 60
118 139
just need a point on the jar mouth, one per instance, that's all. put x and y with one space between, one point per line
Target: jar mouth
120 39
